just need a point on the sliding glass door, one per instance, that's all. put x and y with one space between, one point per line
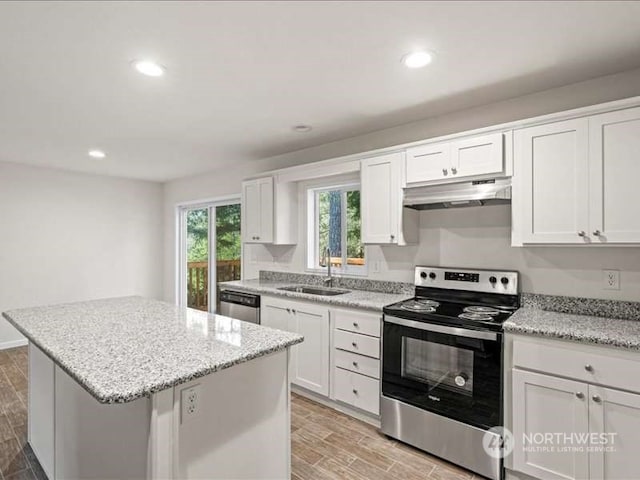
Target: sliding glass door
210 252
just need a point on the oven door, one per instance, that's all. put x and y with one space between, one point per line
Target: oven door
452 371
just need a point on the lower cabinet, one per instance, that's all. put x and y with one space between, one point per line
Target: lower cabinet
573 429
356 359
309 364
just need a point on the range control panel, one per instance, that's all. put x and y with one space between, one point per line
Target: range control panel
492 281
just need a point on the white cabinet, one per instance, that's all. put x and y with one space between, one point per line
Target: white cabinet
257 211
615 417
614 171
384 220
567 420
545 404
356 359
309 364
481 155
554 181
578 179
269 211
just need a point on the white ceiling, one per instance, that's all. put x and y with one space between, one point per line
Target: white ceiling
240 74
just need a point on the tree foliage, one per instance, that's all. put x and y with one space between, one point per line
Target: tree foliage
227 233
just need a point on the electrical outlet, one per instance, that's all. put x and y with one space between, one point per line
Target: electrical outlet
611 279
189 403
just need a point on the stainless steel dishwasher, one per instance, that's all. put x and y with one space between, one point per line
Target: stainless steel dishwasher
240 305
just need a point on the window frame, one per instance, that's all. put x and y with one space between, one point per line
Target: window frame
313 228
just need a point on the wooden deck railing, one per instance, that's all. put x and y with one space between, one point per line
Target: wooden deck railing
198 280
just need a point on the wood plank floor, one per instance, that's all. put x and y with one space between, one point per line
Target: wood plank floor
17 461
328 445
325 444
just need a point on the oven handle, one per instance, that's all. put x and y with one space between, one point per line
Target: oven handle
431 327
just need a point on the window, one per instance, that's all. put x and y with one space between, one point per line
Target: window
334 224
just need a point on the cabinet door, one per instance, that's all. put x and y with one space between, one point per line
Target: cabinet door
265 189
614 416
614 170
427 163
250 211
543 404
274 315
257 211
310 359
554 183
380 199
483 155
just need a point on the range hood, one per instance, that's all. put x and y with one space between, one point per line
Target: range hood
463 194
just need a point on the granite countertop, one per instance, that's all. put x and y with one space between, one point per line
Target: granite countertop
600 330
121 349
354 299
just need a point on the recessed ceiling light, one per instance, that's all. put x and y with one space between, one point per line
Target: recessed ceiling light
149 68
417 59
97 154
302 128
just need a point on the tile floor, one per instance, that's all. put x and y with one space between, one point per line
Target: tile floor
326 444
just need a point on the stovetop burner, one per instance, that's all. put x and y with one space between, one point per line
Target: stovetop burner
420 305
478 317
482 309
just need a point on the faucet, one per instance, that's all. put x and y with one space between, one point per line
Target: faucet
328 280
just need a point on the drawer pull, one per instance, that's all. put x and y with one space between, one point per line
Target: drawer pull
354 344
288 310
596 399
588 368
580 395
355 324
355 392
355 364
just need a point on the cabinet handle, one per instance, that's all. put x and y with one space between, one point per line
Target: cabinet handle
355 392
588 368
596 233
355 364
454 170
354 344
392 237
581 233
257 238
293 311
288 310
445 172
355 324
596 398
580 395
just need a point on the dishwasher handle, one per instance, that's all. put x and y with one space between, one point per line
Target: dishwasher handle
240 298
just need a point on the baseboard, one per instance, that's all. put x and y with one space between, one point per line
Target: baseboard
14 343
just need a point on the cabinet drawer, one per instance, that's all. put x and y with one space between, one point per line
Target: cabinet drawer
356 343
357 363
583 363
366 323
357 390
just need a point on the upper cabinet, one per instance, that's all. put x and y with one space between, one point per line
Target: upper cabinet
269 211
577 178
384 220
456 159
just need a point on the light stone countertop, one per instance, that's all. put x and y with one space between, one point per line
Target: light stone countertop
354 299
121 349
598 330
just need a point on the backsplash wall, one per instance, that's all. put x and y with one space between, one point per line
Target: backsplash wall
481 237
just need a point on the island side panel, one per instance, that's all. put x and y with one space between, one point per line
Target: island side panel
98 441
241 430
41 408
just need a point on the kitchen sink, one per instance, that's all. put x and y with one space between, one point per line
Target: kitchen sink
325 292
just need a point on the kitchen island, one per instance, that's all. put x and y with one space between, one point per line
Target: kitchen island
138 388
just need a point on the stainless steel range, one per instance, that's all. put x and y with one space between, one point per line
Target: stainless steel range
442 364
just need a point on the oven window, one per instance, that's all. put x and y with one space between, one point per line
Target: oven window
438 365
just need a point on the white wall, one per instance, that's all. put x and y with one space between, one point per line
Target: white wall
69 237
472 237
